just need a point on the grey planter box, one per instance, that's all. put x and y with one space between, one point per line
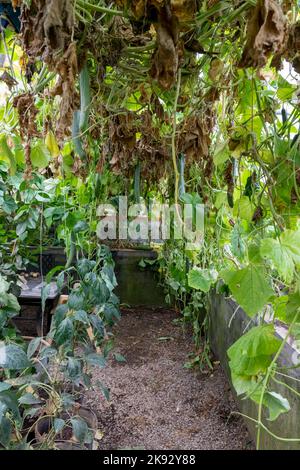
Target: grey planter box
136 286
222 336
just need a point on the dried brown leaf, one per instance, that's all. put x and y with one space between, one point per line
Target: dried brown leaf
266 34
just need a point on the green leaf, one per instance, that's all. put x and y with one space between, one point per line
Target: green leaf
29 399
80 226
40 155
5 425
221 153
279 306
33 346
285 89
80 429
272 249
85 266
4 286
249 286
293 307
243 384
238 246
250 366
13 357
95 359
7 155
76 300
252 353
119 357
74 367
284 253
64 332
201 279
9 205
104 390
58 425
281 147
81 316
4 386
244 208
111 312
52 272
21 228
259 341
275 403
221 199
254 254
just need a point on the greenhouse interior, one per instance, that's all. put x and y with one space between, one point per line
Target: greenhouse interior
149 227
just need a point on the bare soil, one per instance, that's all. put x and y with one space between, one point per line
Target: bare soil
156 403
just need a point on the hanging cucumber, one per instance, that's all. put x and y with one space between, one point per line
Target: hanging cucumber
79 150
81 117
284 115
229 179
181 165
72 251
85 98
295 139
97 185
137 182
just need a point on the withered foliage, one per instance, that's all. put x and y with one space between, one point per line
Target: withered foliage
266 34
121 142
195 139
287 5
123 149
293 46
25 105
107 44
152 151
46 28
79 168
141 9
46 32
16 3
67 69
8 79
165 60
168 18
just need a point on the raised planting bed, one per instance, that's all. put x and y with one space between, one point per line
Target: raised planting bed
32 320
137 286
228 322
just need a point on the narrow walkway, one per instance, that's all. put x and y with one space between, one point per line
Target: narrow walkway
155 403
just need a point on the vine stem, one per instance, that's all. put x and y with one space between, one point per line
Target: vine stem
279 438
101 9
174 156
266 380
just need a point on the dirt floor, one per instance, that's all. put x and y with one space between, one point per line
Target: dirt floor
156 403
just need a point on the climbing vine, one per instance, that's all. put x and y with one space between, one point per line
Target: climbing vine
189 102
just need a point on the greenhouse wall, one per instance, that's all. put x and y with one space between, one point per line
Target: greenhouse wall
227 323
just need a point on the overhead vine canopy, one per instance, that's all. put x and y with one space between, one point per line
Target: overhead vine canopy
140 82
143 62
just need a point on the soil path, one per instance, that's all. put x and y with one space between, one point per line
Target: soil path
157 404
